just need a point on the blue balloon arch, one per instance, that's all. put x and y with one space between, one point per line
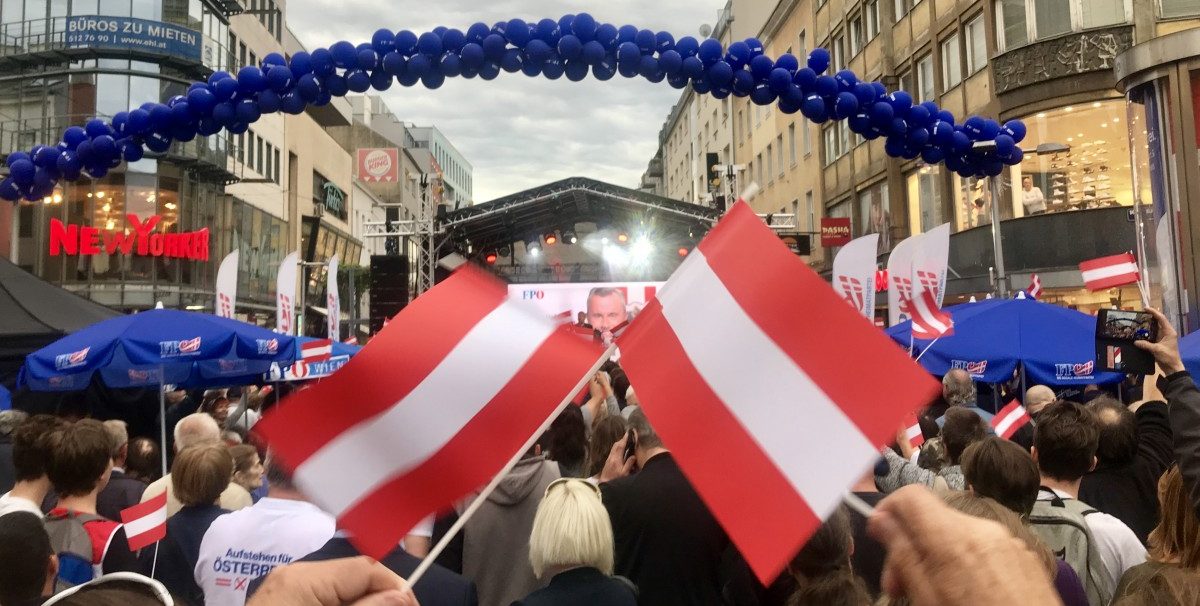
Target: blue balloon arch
572 47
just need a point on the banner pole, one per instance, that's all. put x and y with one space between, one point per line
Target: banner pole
927 348
487 490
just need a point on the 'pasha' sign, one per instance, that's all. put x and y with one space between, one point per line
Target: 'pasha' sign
140 239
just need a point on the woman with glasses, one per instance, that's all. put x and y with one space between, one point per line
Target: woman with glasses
572 546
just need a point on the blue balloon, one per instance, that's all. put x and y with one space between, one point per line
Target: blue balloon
418 65
553 69
606 35
813 108
743 83
344 53
291 103
818 60
973 127
268 102
720 74
918 115
961 142
74 135
47 157
96 127
663 42
490 71
225 89
68 164
366 59
251 80
806 79
451 67
511 62
494 46
756 47
430 44
859 123
518 33
84 153
687 46
932 155
762 95
1015 129
476 33
670 62
710 51
630 55
1005 145
761 67
22 171
406 41
564 24
692 67
865 93
569 47
788 62
201 100
181 114
383 41
217 76
648 66
381 80
918 137
472 55
605 70
156 143
584 26
946 116
738 54
358 81
576 70
942 133
846 105
279 78
645 41
547 31
139 123
826 86
308 87
626 33
433 80
1016 157
702 87
882 114
846 79
322 62
989 130
160 118
9 190
780 80
394 63
179 133
593 53
678 81
721 92
453 40
538 51
247 111
901 101
337 85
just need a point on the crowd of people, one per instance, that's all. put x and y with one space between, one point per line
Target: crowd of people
1095 502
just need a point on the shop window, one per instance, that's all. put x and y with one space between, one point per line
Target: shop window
977 55
951 62
1021 22
1176 8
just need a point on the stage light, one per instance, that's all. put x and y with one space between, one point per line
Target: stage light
551 238
533 246
491 258
569 237
641 249
683 251
505 251
622 237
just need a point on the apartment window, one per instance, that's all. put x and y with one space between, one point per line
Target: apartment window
242 54
856 35
253 59
908 82
810 208
792 142
904 6
803 44
830 138
951 62
739 121
240 144
250 149
258 166
843 130
806 135
779 149
276 164
758 162
976 45
267 173
925 81
871 16
1178 8
770 164
1021 22
839 52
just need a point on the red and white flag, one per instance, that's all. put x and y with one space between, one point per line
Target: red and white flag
430 410
1107 272
146 523
1010 418
929 322
718 356
317 350
913 432
1035 287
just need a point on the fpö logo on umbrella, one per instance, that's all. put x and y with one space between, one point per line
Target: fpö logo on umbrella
973 368
175 349
74 359
268 346
1074 371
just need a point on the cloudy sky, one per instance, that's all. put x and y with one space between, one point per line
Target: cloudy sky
516 131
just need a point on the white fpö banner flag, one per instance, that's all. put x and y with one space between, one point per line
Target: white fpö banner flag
930 258
227 276
333 304
900 279
854 273
285 295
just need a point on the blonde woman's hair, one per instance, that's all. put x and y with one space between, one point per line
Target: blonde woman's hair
571 529
1176 539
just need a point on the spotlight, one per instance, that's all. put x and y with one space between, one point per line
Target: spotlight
641 249
683 251
622 237
551 238
505 251
533 246
569 237
491 258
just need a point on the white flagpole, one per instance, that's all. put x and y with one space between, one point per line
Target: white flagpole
927 348
474 506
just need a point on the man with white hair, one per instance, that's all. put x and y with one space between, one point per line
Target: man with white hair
194 430
1037 397
121 491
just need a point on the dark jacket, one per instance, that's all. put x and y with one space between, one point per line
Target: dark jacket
180 550
438 586
666 540
121 492
1180 391
1130 492
8 473
582 586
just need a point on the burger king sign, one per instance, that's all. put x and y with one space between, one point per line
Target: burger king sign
379 164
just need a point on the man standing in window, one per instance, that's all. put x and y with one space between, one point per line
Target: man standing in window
1032 197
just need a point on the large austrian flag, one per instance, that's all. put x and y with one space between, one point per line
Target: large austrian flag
772 393
430 410
1107 272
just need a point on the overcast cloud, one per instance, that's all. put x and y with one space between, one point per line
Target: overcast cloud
520 132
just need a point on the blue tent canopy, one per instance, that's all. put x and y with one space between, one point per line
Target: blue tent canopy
992 338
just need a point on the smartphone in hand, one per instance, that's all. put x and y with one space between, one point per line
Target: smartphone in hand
1116 332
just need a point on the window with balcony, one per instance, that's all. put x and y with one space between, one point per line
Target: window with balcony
1020 22
951 62
977 55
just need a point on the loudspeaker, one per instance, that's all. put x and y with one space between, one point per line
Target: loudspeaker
389 288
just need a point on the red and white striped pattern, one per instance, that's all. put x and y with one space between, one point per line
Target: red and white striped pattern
1035 287
1107 272
429 411
928 322
1010 418
721 357
317 350
913 432
146 523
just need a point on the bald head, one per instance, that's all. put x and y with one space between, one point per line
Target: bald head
1037 397
957 388
194 429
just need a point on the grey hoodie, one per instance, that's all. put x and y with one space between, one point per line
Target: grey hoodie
496 538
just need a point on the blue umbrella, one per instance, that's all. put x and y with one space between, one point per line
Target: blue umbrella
1189 350
156 347
992 338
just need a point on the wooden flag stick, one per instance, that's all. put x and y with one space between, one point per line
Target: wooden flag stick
487 490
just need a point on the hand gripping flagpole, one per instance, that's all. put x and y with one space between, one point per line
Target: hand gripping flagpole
487 490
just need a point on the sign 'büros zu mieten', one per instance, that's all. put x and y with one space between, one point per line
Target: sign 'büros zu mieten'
140 239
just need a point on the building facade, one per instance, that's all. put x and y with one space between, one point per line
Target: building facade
1049 63
452 167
